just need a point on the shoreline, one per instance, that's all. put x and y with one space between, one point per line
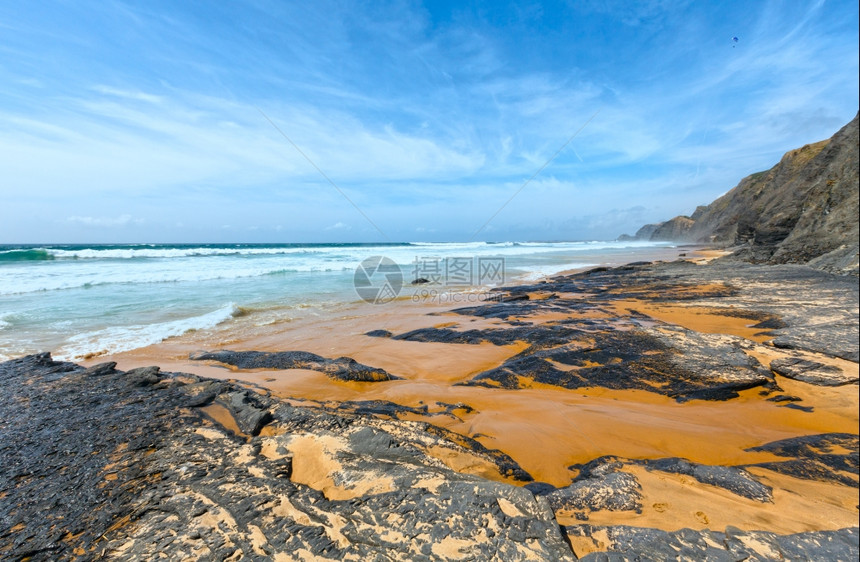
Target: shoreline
103 301
544 428
345 309
656 396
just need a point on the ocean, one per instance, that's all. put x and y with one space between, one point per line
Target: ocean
83 300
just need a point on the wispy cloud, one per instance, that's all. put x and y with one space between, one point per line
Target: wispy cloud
339 226
422 115
104 222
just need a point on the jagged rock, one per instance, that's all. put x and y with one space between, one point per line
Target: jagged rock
621 543
342 368
248 411
673 229
601 484
597 346
537 336
803 210
604 484
672 361
392 410
202 393
144 376
735 480
120 470
833 457
812 372
102 369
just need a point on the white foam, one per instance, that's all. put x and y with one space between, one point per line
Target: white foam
202 264
508 248
542 272
17 280
119 339
130 253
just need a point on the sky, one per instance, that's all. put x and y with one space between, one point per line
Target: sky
273 121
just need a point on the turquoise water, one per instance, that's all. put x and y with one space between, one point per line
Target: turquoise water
76 300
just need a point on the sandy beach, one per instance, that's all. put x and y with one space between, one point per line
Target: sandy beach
549 430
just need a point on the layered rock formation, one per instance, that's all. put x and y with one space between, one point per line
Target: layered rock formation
100 463
803 210
104 464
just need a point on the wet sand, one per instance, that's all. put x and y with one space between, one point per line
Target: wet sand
546 429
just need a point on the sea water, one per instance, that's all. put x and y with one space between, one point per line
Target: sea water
78 300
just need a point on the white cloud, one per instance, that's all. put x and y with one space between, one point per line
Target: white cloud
105 222
128 94
339 226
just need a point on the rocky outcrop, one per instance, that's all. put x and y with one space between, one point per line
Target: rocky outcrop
801 309
647 231
803 210
343 368
674 229
812 372
636 543
105 464
734 479
668 360
831 457
601 485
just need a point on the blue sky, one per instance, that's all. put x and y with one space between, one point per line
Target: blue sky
149 121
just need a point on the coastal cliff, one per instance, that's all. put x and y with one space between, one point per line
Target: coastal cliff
803 210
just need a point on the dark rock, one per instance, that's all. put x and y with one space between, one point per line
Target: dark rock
676 362
812 372
831 457
250 414
421 281
635 543
379 334
803 210
392 410
202 393
784 398
144 376
342 368
102 369
771 323
540 488
120 470
601 484
735 480
538 336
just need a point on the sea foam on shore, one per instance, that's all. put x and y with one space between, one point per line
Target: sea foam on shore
79 300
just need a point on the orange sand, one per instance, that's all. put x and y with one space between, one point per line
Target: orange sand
546 429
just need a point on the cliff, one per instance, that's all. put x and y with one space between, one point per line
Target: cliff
803 210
